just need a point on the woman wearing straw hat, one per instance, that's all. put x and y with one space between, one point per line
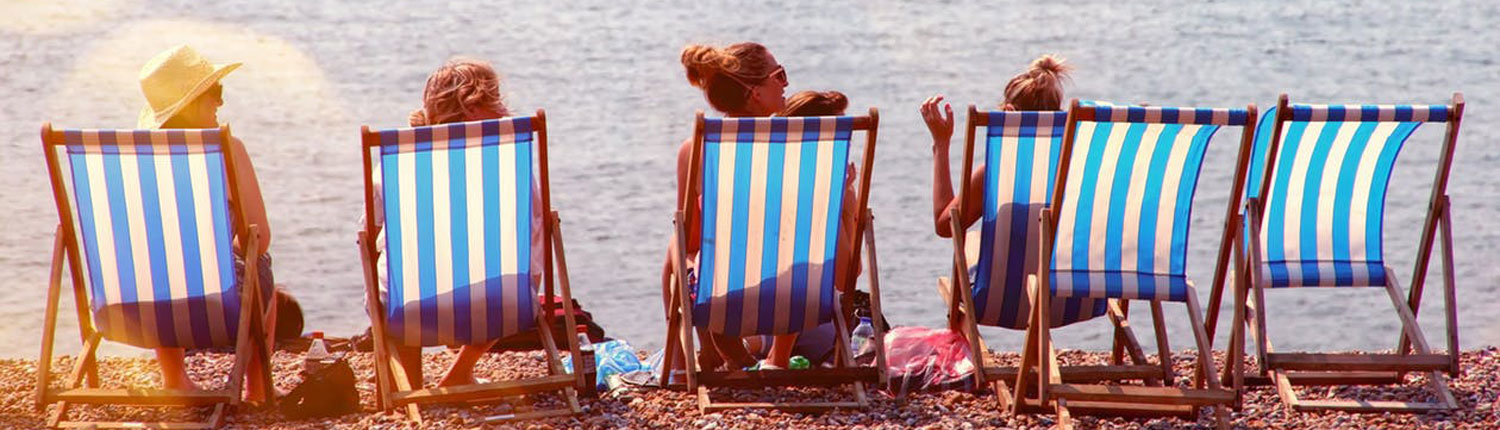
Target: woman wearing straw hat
182 91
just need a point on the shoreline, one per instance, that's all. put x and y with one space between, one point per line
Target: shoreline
1477 390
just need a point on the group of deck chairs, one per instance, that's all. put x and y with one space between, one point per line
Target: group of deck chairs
1084 211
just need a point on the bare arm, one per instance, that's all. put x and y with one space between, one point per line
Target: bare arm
248 187
940 125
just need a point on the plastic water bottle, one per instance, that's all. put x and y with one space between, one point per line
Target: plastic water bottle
316 354
798 362
585 364
861 335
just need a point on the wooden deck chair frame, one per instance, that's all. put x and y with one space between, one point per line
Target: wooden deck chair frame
1413 354
395 390
1040 372
1126 346
680 330
82 385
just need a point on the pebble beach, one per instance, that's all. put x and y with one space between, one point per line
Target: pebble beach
1477 390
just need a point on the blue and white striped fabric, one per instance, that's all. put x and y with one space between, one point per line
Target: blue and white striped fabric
772 195
1123 226
1021 153
155 227
1324 211
458 231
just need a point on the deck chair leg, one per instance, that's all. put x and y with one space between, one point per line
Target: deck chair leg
684 301
1449 289
1205 356
1163 346
962 309
1118 313
49 321
1234 371
377 325
1028 355
872 270
1117 350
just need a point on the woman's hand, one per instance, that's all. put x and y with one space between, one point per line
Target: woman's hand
940 124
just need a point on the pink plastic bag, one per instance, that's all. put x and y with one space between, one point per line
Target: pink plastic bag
921 359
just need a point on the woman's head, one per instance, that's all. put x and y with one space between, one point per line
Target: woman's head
1040 86
740 79
815 103
464 89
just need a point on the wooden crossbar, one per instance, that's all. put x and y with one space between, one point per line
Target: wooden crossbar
1358 362
142 396
1137 394
789 378
1086 373
487 390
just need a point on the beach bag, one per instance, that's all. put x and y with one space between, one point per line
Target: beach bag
927 359
531 340
326 391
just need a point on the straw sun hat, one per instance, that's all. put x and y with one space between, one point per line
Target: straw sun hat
173 79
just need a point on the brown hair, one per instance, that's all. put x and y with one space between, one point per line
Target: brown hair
815 103
725 74
1040 87
461 85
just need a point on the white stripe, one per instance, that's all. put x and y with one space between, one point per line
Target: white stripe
411 290
787 240
1364 178
723 225
1300 164
818 254
474 200
171 228
140 251
1104 199
755 233
104 230
1328 189
442 236
510 264
1170 186
1062 246
209 248
1130 238
1005 193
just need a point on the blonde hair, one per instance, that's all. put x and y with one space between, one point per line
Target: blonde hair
726 74
1041 86
462 85
815 103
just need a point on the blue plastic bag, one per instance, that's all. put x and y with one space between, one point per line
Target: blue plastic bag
613 357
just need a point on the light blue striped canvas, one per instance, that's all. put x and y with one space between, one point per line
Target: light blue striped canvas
1123 224
154 225
1021 152
458 231
1324 210
772 194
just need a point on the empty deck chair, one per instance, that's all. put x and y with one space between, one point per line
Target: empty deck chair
1315 216
457 204
773 191
1118 230
148 221
1020 154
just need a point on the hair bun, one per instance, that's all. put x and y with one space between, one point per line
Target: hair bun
702 63
1051 64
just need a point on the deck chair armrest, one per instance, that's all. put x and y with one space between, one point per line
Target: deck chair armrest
560 267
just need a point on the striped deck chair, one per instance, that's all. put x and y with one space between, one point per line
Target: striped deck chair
1020 152
1316 219
1119 230
457 204
147 225
772 195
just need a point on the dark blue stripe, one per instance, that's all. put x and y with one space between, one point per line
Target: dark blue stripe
395 276
494 271
803 239
191 250
1151 200
710 203
1114 217
1275 218
1082 227
124 253
839 173
1342 198
739 225
426 245
1259 152
526 292
981 288
1020 240
775 168
1312 189
1375 221
1403 113
458 199
156 248
83 193
1187 188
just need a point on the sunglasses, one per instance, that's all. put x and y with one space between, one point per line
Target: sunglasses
779 74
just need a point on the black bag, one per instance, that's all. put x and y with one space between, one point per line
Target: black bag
325 392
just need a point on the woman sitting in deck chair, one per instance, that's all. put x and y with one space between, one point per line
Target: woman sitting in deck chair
740 80
461 90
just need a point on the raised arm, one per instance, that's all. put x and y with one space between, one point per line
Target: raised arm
940 126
